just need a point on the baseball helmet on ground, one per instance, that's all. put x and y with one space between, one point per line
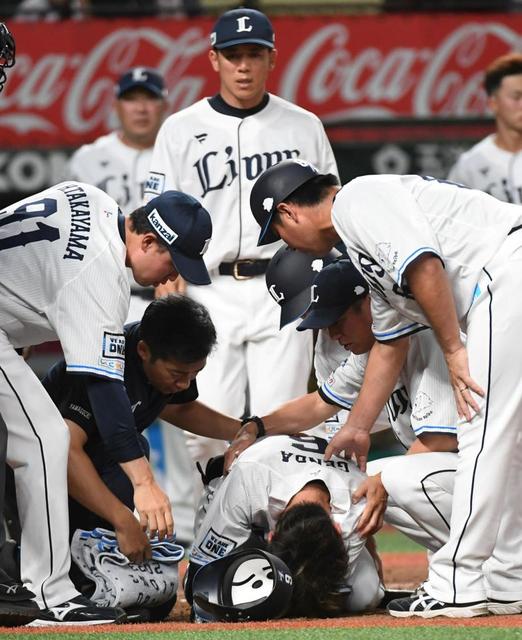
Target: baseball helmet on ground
272 187
289 278
7 52
247 584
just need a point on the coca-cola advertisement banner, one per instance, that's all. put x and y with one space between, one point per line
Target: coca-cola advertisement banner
60 92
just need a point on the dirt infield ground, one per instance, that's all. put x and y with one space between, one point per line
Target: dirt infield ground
401 570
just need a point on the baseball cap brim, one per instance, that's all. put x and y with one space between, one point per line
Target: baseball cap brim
322 318
268 235
295 308
192 270
233 43
151 88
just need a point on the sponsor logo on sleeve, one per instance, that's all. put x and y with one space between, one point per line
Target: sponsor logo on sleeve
112 357
215 545
155 183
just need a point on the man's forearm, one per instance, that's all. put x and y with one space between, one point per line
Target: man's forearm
429 284
201 420
298 415
382 371
87 488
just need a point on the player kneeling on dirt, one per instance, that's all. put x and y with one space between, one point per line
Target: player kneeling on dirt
163 355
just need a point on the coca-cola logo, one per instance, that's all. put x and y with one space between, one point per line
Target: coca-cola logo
337 68
371 82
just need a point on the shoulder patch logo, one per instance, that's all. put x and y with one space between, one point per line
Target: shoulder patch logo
215 545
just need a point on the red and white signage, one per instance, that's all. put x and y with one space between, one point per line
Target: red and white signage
60 92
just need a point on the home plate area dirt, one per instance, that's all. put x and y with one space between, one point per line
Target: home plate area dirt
401 571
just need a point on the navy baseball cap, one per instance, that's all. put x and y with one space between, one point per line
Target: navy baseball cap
242 26
141 77
185 226
335 289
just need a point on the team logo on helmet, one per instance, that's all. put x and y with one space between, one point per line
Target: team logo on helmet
317 265
268 203
359 290
278 297
304 163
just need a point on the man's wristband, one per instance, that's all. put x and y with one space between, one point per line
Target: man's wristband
260 425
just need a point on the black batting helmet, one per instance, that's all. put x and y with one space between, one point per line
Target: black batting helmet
272 187
289 278
7 52
247 584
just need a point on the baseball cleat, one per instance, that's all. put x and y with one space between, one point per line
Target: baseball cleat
424 606
17 606
504 607
78 611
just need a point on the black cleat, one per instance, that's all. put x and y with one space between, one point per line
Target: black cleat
77 612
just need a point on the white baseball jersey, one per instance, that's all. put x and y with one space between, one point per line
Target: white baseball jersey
329 355
217 157
463 227
259 486
491 169
62 261
113 167
421 401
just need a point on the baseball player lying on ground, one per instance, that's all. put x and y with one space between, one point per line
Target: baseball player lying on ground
305 511
163 355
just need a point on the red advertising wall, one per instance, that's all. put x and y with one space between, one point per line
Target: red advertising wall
59 94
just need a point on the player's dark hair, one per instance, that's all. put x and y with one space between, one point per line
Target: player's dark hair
177 327
140 224
308 543
508 65
313 191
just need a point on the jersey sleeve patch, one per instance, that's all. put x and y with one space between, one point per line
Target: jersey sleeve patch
215 545
155 183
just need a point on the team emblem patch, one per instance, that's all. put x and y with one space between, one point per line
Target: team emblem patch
317 265
113 345
268 203
155 183
422 407
385 257
163 229
215 545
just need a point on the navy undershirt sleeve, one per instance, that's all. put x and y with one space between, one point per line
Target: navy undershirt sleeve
113 415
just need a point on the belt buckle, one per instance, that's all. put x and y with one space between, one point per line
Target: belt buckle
235 271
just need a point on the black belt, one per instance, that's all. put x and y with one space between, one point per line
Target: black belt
243 269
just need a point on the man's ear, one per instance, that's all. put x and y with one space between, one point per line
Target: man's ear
270 536
143 350
273 58
287 211
148 242
214 61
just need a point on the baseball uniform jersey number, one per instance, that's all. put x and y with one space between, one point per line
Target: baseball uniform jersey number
37 209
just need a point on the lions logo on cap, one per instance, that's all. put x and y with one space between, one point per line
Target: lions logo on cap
268 203
359 290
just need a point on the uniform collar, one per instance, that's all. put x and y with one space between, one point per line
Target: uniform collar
218 104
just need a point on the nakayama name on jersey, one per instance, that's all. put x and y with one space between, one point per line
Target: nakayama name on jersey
80 221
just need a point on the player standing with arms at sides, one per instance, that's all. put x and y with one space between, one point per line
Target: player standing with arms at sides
16 604
63 258
434 254
214 150
494 164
